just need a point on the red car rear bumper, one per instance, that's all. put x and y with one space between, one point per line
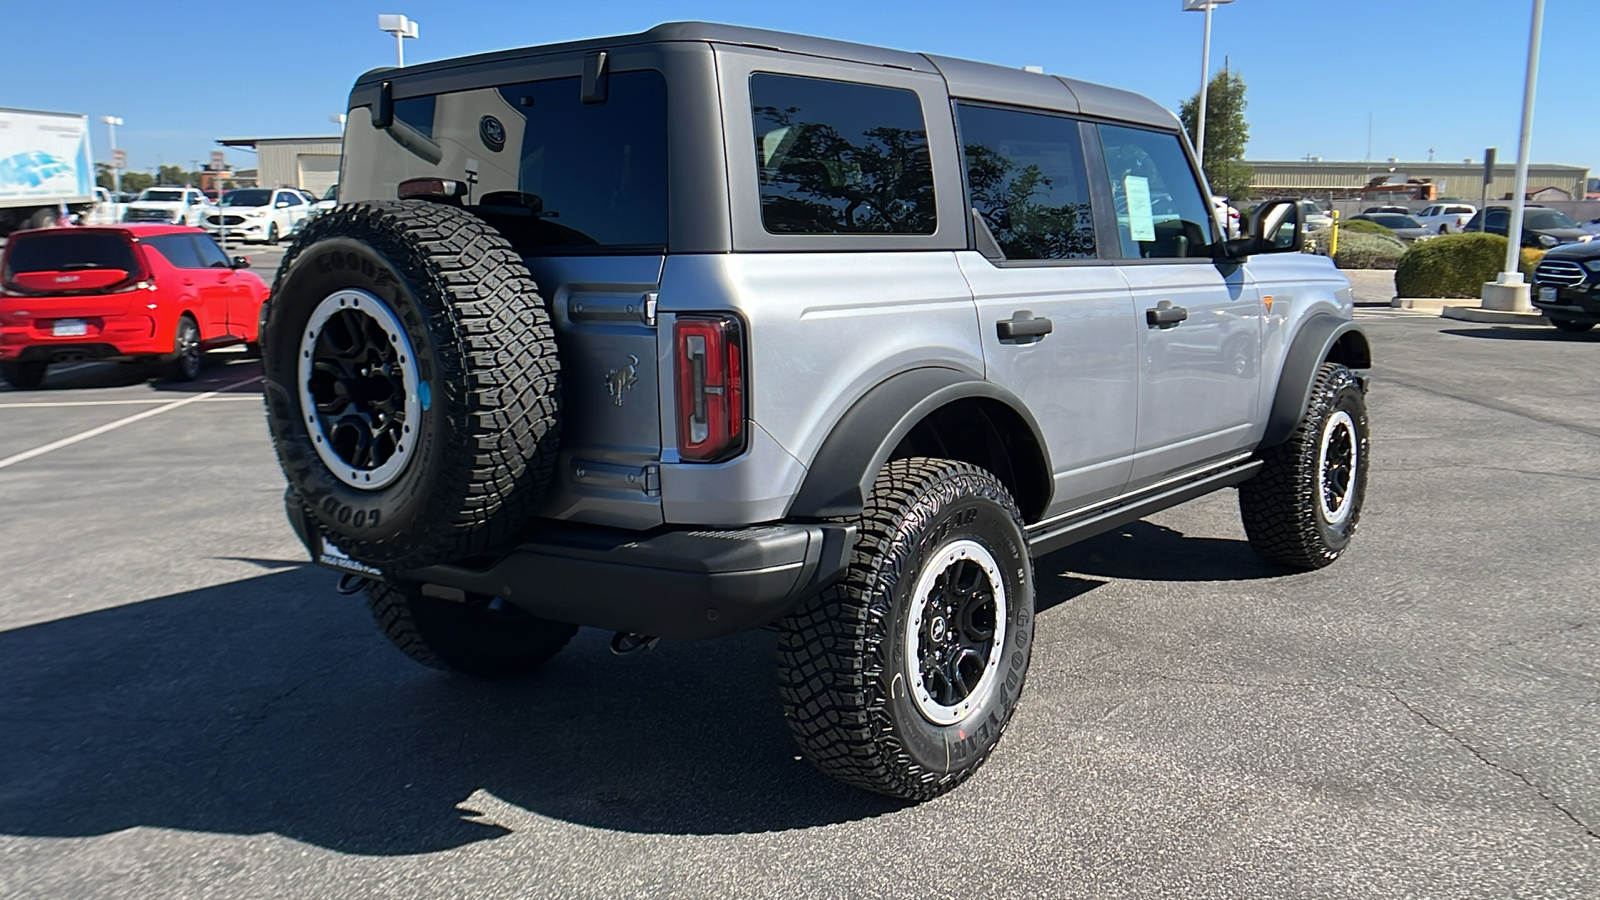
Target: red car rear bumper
102 337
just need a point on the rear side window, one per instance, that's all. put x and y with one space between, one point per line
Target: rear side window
177 249
65 250
416 112
1161 213
837 157
1026 178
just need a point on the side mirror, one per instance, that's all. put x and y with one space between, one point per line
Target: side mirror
241 262
282 204
1274 228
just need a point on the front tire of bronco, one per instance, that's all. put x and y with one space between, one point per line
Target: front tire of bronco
1302 508
901 677
411 382
481 636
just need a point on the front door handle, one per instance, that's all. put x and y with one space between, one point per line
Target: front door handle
1023 328
1165 315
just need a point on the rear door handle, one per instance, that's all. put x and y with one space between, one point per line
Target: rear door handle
1022 327
1165 315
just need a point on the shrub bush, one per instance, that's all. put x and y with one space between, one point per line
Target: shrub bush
1362 226
1366 251
1456 265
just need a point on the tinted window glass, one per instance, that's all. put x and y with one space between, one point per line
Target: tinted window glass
291 198
1160 211
840 158
66 250
1547 218
211 256
177 248
590 175
416 112
1026 178
247 197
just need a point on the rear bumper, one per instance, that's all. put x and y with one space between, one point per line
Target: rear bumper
104 337
669 582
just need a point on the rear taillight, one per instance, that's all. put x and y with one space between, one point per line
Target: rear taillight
709 361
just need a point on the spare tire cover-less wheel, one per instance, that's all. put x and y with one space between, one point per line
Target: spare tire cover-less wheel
411 382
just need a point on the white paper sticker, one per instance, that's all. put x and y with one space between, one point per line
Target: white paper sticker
1141 217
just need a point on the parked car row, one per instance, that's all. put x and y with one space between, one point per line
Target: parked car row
127 292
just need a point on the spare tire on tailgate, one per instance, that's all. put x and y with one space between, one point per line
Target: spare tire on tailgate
411 382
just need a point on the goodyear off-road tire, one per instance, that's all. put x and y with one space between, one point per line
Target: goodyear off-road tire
477 637
859 667
1302 508
455 341
24 376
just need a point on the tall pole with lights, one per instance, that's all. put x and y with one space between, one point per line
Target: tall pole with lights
402 28
1205 6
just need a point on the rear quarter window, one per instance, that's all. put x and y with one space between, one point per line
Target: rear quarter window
836 157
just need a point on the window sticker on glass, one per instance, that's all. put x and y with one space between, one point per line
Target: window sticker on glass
1141 216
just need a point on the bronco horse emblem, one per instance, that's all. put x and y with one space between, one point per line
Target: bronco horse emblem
622 379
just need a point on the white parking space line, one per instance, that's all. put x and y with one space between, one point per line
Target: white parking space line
112 426
234 398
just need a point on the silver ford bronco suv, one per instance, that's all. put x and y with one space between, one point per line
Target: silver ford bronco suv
706 329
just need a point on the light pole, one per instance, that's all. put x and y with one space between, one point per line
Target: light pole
116 173
1205 6
1519 192
402 28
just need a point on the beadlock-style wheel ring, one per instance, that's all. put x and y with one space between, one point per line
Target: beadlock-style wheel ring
360 390
955 632
1337 458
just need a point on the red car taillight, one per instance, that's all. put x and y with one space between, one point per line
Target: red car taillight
709 361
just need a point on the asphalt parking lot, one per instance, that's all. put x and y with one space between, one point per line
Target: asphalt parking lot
187 709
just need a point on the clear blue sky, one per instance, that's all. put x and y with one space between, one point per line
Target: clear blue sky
1445 74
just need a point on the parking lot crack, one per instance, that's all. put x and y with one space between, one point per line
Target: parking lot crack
1556 804
265 709
1430 386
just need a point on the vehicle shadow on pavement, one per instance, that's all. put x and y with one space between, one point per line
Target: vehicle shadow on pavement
219 371
273 705
1525 333
1144 551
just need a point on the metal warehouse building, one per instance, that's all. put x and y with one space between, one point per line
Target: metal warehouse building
1346 180
304 162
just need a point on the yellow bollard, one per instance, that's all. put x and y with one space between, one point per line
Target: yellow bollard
1333 242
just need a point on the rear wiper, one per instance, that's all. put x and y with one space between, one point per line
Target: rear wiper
83 265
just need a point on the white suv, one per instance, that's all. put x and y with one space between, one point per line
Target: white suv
258 214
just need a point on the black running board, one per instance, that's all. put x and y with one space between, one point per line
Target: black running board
1047 537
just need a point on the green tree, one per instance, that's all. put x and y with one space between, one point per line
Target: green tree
1227 134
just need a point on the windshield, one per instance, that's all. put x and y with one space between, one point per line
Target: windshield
1396 221
1547 218
247 198
162 196
332 194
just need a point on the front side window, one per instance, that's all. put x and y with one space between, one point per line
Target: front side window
836 157
1026 178
1161 213
178 249
290 198
211 256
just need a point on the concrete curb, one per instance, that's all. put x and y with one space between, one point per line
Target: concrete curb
1430 304
1493 316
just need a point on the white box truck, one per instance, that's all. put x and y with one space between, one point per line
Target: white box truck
45 164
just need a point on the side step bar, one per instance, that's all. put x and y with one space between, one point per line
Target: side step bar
1047 537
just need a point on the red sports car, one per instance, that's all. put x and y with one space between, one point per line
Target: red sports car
121 292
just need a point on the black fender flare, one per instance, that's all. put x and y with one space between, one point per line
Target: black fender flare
1318 338
841 474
